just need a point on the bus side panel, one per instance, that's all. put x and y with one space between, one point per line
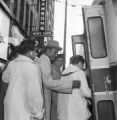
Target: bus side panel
101 80
105 107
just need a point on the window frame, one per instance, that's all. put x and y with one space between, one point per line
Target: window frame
104 41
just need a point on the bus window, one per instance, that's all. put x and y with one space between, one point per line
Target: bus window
97 37
79 49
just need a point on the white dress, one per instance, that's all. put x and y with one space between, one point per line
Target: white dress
74 106
23 97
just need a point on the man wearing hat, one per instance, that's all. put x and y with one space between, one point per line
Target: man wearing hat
61 85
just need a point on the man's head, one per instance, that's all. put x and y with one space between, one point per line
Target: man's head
52 49
59 60
27 48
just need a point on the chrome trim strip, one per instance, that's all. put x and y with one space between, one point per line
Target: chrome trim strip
113 64
105 93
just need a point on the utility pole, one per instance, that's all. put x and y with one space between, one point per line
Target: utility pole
65 35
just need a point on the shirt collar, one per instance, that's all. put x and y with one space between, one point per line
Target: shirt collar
70 68
23 58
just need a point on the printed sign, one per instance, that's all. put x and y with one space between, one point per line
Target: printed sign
42 15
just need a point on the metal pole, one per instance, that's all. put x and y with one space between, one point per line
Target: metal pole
65 35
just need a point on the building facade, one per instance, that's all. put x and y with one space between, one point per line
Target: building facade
23 17
50 15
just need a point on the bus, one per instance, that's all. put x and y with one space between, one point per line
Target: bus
95 46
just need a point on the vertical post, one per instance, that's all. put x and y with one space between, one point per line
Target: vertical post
65 35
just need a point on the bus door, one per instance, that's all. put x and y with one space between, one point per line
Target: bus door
80 47
95 30
98 63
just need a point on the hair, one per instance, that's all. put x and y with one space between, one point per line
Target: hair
14 53
12 47
26 46
76 59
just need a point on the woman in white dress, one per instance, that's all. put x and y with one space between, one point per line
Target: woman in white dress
23 100
74 106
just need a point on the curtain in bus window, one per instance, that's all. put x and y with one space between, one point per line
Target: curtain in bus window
79 49
115 8
97 37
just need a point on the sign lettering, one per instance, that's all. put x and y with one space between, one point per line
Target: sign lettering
46 33
42 23
42 15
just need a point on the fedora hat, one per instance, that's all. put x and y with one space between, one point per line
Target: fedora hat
53 44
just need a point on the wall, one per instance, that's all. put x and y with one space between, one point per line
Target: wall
4 33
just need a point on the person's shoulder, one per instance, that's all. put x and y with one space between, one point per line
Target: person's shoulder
43 57
81 71
9 64
44 60
30 65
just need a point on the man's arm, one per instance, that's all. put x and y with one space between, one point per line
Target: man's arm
62 85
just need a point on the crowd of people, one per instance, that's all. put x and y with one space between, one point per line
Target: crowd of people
35 87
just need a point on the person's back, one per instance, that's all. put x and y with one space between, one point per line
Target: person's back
74 106
23 98
16 90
